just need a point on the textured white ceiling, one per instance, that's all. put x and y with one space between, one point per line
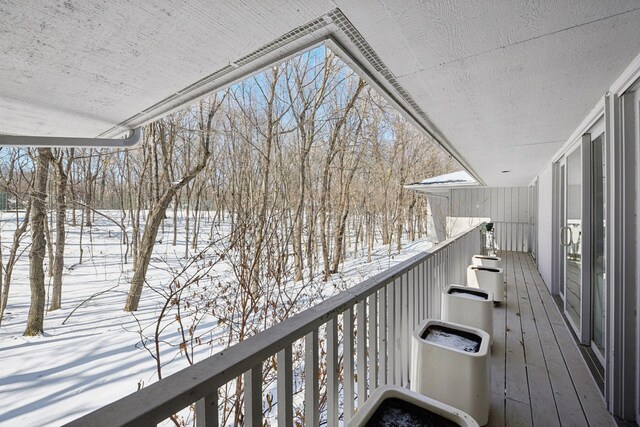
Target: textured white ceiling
78 67
505 81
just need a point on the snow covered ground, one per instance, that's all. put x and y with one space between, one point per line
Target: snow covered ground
94 355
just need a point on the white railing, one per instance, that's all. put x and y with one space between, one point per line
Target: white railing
364 334
512 236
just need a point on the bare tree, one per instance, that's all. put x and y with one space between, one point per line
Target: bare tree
158 210
62 176
35 320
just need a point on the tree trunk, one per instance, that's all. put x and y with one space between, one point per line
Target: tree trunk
61 212
13 257
35 320
157 213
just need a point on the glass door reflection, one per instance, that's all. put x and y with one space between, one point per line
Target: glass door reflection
598 312
572 239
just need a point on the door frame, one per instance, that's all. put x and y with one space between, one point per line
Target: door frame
596 131
557 209
579 329
583 142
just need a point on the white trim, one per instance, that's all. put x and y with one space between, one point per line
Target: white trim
597 129
629 76
637 131
354 59
589 121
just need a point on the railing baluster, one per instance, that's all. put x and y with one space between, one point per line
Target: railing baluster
347 318
253 396
391 333
382 335
413 302
373 341
332 372
430 283
406 289
285 387
428 301
421 291
427 289
362 352
416 297
311 392
403 327
398 333
207 411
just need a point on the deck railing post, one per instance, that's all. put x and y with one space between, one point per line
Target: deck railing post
361 357
285 387
311 393
397 347
391 333
253 396
382 335
207 411
372 348
332 372
347 320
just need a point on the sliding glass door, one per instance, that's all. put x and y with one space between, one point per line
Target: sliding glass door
580 191
598 235
571 239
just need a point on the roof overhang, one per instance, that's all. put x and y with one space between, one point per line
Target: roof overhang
446 182
500 86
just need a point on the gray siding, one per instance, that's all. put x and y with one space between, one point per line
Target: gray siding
507 207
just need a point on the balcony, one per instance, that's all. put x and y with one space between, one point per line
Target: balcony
538 375
539 102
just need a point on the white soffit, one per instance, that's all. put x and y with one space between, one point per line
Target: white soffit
77 68
506 82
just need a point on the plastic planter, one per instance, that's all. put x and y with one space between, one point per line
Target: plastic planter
394 405
487 261
488 278
468 306
451 364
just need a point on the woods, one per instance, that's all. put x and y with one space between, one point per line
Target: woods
262 191
305 154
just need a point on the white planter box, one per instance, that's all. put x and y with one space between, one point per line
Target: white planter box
487 261
387 399
468 306
488 278
451 363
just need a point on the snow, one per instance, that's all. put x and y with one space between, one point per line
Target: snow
95 355
450 338
395 412
453 178
468 294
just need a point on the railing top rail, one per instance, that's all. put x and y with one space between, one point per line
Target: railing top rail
160 400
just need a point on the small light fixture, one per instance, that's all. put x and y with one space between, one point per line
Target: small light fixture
506 171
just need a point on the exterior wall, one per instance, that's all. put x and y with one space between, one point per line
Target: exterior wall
621 109
545 220
437 208
507 207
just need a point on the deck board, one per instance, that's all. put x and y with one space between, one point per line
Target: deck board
518 408
566 401
543 407
538 375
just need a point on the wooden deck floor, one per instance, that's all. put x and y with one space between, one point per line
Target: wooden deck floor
538 375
